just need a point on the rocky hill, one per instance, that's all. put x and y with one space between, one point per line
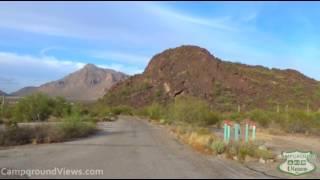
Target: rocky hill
193 71
88 83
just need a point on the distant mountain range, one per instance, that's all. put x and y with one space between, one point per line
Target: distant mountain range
194 71
88 83
24 91
2 93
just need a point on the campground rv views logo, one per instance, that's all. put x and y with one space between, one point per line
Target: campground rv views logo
297 163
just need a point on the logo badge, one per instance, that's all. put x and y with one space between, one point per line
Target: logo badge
297 163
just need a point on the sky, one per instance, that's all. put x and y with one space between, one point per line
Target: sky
44 41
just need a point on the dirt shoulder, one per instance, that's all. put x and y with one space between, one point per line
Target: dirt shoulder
287 143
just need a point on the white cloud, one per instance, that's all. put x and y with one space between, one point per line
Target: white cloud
221 23
121 57
49 19
28 70
12 59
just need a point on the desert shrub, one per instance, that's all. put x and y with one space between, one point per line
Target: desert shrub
241 150
235 116
60 107
261 117
155 111
298 122
38 107
293 121
315 129
122 109
248 149
143 112
182 130
99 110
218 147
192 110
40 133
201 130
264 154
15 136
232 149
76 126
71 127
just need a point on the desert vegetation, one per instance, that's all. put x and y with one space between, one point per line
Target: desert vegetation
190 119
202 140
38 118
184 110
196 112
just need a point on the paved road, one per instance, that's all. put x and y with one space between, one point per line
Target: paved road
127 148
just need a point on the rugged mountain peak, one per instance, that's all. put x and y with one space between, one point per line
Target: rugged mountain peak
90 67
89 83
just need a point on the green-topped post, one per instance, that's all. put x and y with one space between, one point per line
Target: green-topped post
236 132
247 133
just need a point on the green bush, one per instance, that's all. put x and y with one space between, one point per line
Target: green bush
99 110
125 110
218 146
298 122
76 126
71 127
241 150
246 150
261 117
264 154
38 107
192 110
235 116
60 107
155 111
35 107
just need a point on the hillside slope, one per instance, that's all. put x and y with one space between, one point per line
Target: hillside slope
193 71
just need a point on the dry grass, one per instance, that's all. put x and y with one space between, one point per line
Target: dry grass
203 141
40 134
198 138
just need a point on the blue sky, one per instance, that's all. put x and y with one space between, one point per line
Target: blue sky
44 41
